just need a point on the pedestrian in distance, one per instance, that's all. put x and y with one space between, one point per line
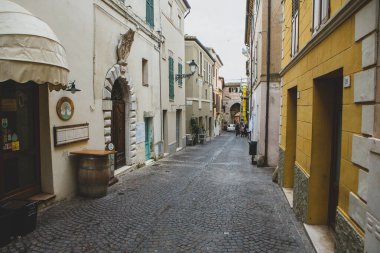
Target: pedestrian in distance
237 129
242 130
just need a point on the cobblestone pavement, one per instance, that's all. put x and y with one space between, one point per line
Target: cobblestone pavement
207 198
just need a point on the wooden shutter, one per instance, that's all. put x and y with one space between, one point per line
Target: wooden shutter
171 78
150 12
180 73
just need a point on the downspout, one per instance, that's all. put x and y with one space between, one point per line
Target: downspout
160 75
251 75
268 84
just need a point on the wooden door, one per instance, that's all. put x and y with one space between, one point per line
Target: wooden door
335 152
118 131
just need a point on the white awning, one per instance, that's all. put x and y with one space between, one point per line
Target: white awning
29 49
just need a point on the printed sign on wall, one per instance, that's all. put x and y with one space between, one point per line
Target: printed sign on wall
140 132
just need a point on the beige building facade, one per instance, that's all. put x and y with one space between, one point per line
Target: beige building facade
173 63
257 44
217 92
199 87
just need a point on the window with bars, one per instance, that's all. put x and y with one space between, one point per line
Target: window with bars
321 9
180 82
171 78
150 12
295 33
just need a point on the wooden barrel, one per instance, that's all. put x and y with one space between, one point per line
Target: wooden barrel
93 176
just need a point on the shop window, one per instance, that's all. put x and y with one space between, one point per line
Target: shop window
19 140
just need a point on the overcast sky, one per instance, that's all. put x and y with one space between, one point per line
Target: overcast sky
220 24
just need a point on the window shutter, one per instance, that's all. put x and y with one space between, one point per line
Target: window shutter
180 73
171 78
150 12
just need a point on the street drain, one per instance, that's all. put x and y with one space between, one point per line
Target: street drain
120 193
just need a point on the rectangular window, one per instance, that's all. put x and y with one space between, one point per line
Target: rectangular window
180 81
145 72
204 69
150 13
170 11
179 22
171 78
295 8
209 73
200 63
321 10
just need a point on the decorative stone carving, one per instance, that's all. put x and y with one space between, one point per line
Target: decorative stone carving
124 48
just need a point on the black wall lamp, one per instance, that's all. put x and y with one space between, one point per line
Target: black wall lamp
193 69
71 87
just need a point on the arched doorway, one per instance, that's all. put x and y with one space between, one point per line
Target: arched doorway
118 123
118 90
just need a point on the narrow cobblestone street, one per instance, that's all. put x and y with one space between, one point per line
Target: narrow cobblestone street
207 198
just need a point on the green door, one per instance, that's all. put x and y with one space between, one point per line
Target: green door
147 139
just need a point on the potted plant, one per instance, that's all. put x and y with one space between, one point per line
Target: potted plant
194 129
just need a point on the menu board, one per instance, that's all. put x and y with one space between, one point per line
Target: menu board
69 134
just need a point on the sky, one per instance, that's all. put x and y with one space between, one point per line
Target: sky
220 24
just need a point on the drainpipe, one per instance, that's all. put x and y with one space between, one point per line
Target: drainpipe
268 84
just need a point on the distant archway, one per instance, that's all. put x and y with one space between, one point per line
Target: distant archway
235 113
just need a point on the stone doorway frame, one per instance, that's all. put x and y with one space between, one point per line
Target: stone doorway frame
116 72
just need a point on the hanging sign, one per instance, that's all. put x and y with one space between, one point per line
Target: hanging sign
8 105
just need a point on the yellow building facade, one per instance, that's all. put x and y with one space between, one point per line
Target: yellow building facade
328 125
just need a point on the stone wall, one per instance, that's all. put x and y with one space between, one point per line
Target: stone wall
347 239
281 164
300 194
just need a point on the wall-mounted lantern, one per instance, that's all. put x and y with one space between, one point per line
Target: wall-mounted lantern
193 69
71 87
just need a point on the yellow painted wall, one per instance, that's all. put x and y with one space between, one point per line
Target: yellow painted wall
339 50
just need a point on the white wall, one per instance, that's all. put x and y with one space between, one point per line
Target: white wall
74 24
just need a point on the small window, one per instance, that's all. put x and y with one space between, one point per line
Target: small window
179 22
206 93
145 81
